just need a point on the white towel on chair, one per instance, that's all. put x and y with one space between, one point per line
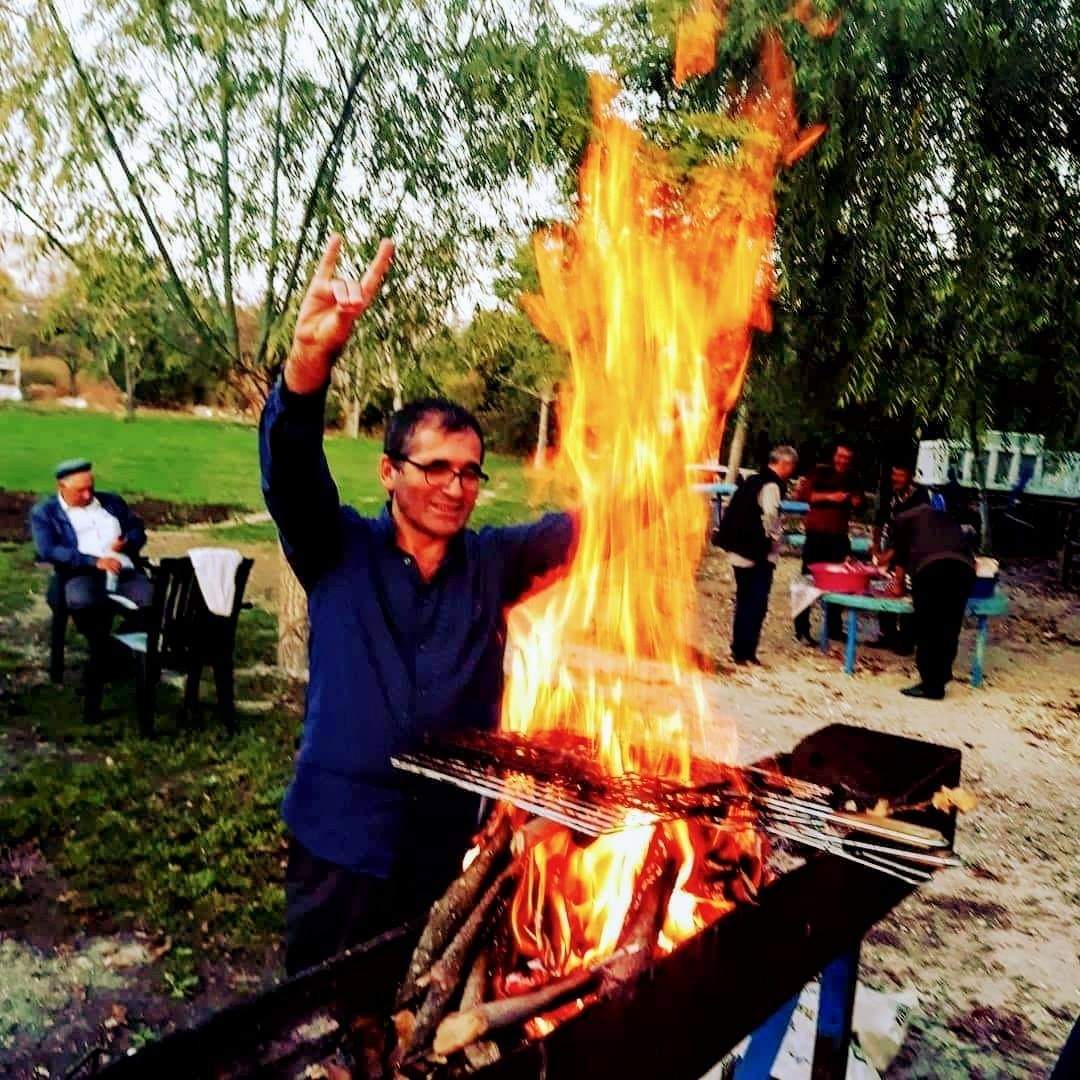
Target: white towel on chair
215 571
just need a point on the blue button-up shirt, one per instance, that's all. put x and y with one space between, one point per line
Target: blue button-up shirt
392 657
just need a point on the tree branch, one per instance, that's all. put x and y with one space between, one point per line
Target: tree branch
271 269
50 237
186 302
344 118
225 229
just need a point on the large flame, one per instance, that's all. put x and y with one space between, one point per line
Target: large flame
654 291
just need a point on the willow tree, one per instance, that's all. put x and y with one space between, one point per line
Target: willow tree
928 248
225 138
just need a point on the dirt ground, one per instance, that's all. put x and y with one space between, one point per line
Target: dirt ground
991 948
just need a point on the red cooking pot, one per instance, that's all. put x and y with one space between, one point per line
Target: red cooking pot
843 577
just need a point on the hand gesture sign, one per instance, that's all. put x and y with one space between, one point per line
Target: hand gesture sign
327 313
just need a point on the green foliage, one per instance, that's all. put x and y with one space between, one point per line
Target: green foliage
929 246
218 144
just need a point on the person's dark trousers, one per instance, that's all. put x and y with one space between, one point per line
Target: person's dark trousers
752 585
328 908
823 547
939 592
87 599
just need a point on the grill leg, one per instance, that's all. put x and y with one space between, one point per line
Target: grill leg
834 1016
764 1045
823 637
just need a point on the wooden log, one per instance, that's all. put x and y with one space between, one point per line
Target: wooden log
449 970
485 1052
461 1029
451 910
645 919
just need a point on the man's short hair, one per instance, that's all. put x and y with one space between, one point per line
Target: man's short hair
783 453
439 411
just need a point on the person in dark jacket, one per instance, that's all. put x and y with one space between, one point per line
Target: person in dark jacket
750 532
832 491
407 615
897 632
89 537
932 547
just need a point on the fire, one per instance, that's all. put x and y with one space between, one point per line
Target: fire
655 291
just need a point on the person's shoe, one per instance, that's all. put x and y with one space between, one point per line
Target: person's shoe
923 691
805 639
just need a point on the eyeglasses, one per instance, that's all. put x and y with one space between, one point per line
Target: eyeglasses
441 473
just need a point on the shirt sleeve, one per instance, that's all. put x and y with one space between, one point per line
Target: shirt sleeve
530 552
769 501
48 542
900 538
299 491
884 509
131 528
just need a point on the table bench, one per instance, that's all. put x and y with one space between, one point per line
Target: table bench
787 506
984 609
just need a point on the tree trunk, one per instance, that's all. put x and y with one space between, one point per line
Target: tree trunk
393 375
542 432
292 623
738 444
129 387
352 416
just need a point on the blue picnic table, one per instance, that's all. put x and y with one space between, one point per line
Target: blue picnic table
787 506
860 545
983 608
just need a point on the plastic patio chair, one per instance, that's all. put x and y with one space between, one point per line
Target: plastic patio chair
184 636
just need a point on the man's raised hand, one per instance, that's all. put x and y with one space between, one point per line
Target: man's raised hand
330 307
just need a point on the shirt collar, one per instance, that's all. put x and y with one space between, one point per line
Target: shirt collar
455 550
93 504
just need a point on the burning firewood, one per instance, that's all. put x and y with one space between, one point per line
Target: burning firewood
447 972
645 919
463 1028
452 909
483 1052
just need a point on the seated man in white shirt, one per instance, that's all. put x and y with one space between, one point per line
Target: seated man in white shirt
90 539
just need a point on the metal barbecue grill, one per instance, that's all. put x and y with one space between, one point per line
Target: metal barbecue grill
689 1008
563 787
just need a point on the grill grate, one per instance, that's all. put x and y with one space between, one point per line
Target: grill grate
562 784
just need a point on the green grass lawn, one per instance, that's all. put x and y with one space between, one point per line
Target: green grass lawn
178 835
184 459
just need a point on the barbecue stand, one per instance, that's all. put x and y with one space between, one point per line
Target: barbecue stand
740 975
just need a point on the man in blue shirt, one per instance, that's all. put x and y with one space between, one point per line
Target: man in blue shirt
407 635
